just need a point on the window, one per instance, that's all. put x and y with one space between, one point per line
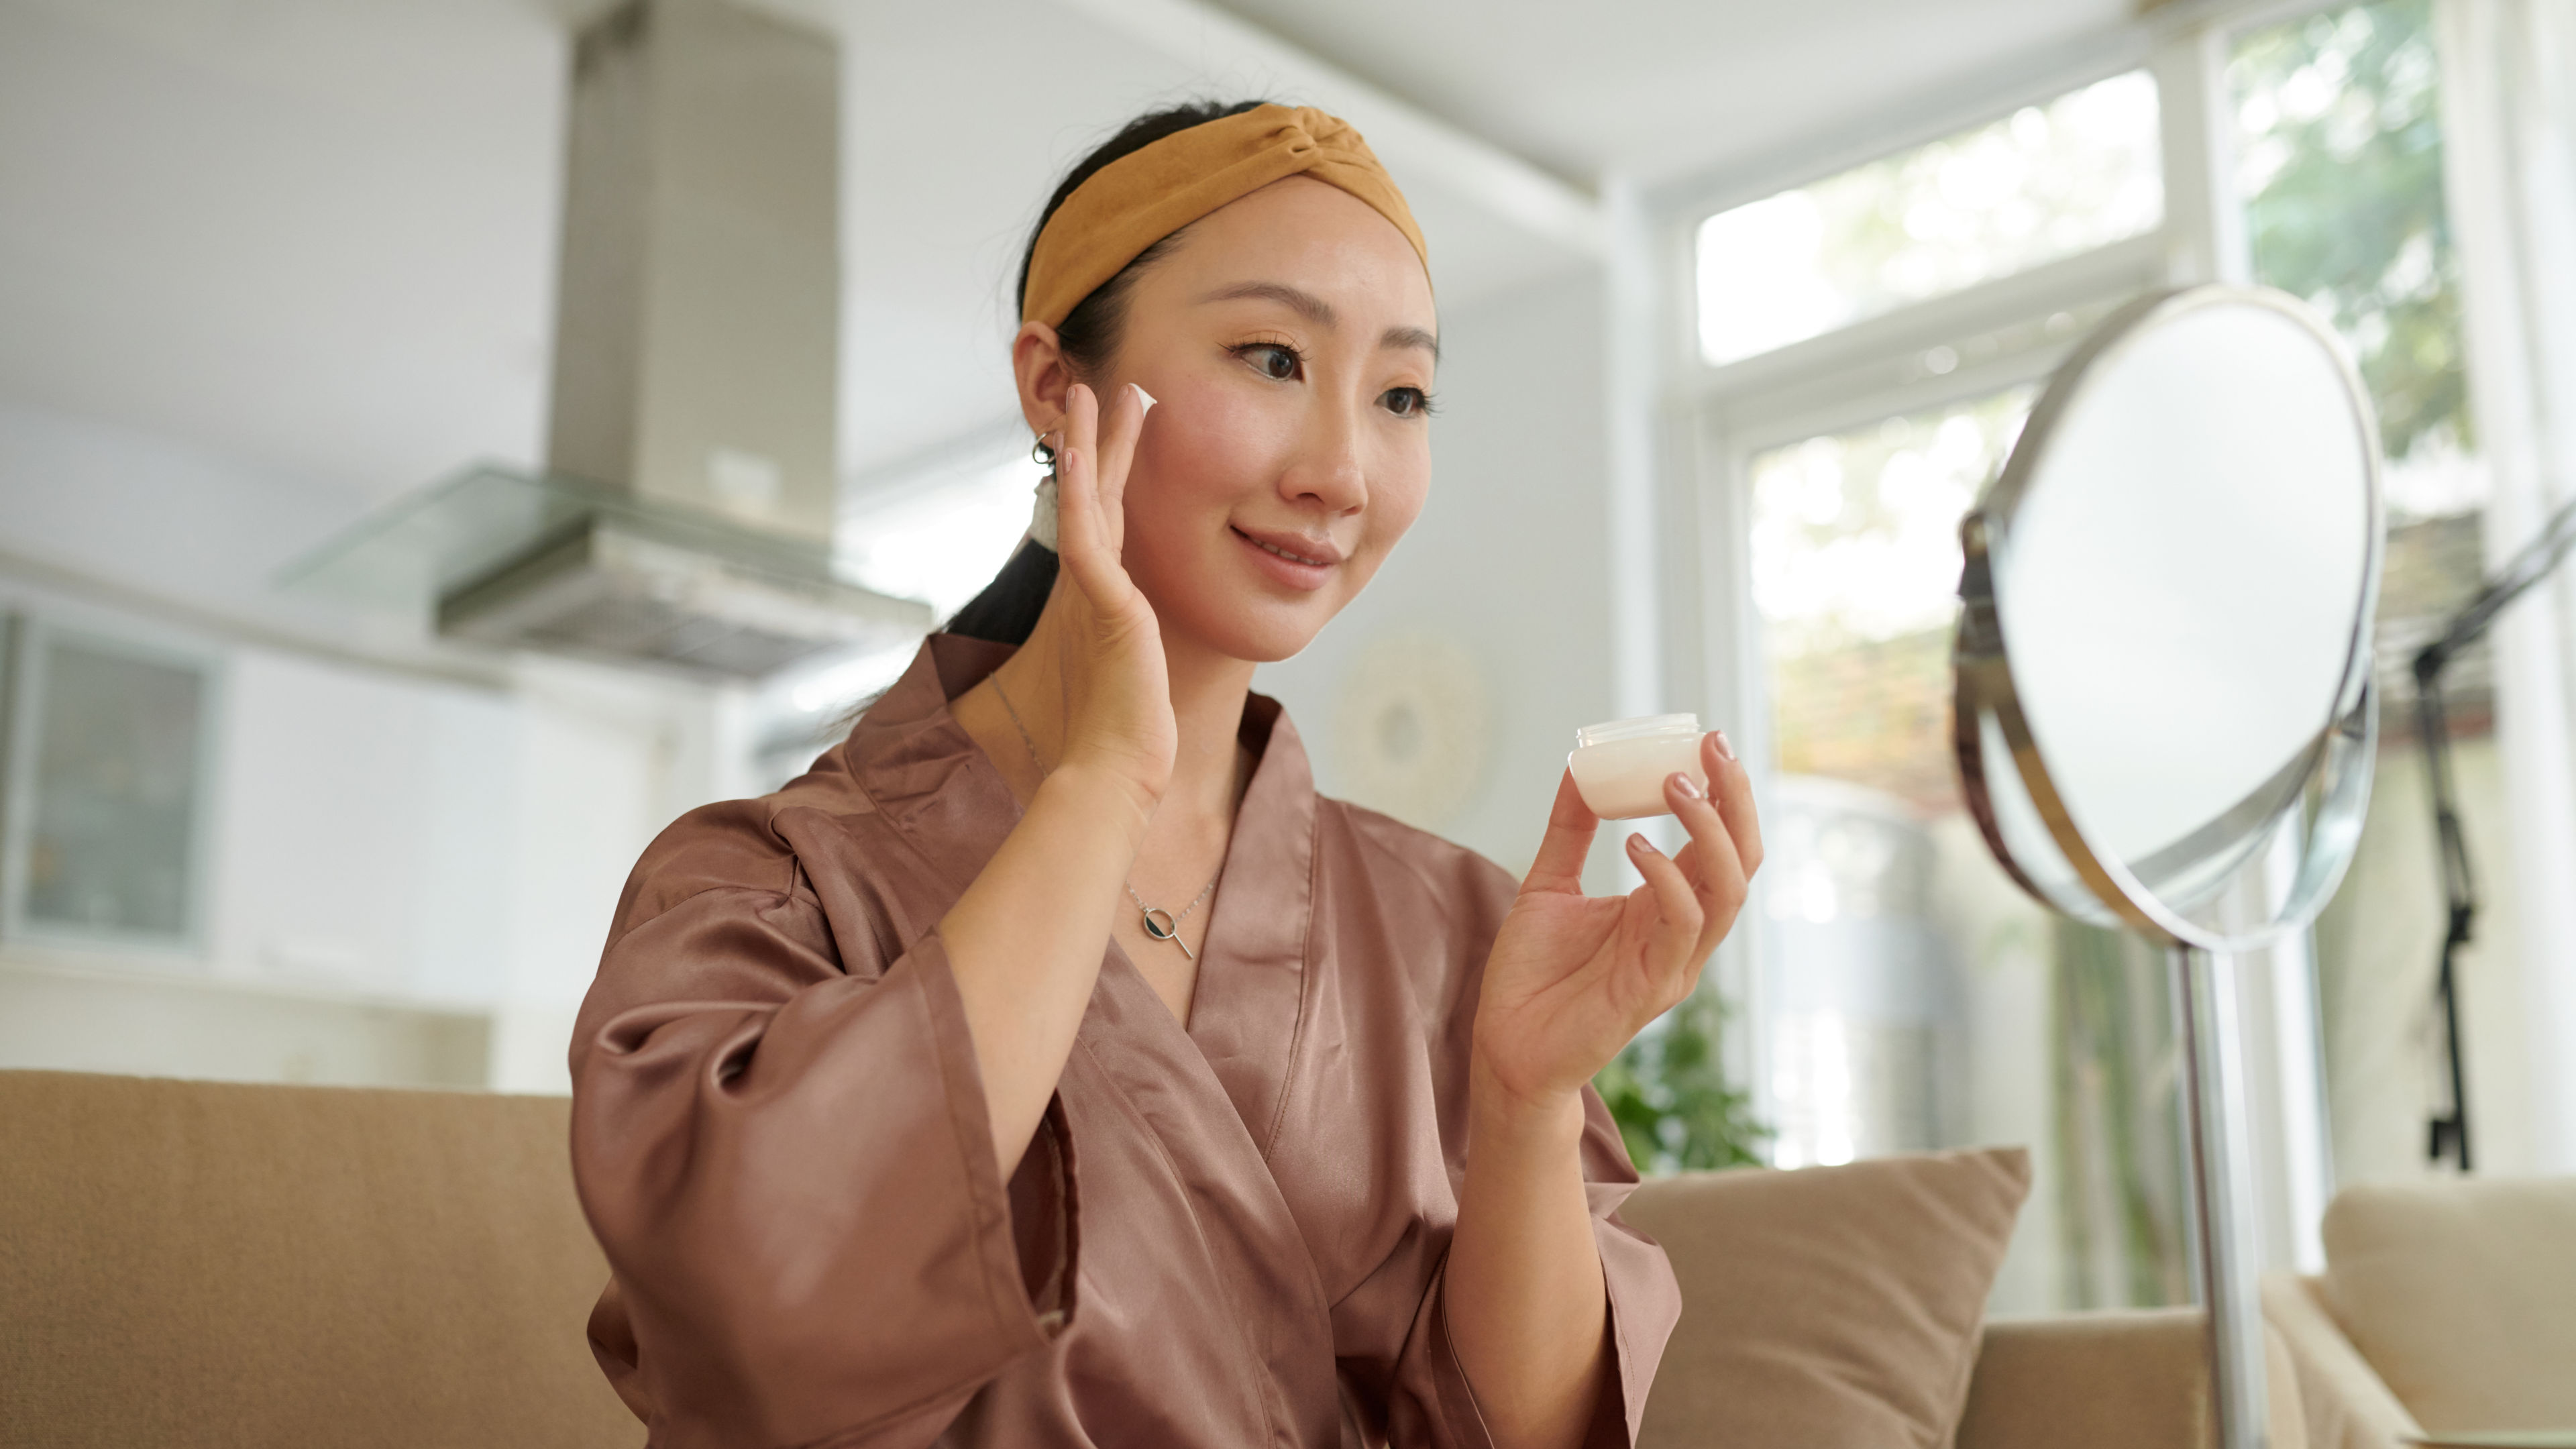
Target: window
2341 172
1855 554
1905 994
106 797
2044 183
1901 992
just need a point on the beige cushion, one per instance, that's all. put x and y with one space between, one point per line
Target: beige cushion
2134 1378
1829 1305
217 1266
2462 1294
2347 1405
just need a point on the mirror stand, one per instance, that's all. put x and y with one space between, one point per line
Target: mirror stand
2225 1254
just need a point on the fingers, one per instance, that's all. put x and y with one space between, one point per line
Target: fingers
1709 862
1675 954
1084 540
1730 785
1561 852
1121 424
1726 836
1081 424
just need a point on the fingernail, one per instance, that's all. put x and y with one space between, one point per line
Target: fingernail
1640 845
1688 787
1145 397
1723 748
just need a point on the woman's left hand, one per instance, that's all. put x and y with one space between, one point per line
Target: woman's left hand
1572 978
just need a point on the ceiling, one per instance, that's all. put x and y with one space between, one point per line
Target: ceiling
318 235
1656 88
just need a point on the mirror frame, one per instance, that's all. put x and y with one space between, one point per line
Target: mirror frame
2335 768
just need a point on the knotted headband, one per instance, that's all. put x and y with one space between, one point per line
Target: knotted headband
1150 193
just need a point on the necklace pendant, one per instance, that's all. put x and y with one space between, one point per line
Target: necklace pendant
1160 925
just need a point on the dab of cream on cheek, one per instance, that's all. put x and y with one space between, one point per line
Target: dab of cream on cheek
1620 767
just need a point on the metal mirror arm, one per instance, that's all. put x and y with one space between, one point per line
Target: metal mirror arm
2448 1134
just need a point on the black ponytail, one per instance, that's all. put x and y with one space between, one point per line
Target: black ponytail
1008 608
1006 612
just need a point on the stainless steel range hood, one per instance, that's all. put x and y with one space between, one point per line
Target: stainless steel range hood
686 515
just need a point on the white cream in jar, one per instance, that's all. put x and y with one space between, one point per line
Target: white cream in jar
1620 767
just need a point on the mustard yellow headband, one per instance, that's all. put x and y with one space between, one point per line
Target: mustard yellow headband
1148 194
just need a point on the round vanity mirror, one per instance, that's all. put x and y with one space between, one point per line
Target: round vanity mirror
2164 660
2165 708
2164 705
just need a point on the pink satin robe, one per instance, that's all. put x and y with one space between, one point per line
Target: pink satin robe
1225 1235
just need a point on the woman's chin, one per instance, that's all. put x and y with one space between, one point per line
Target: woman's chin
1263 633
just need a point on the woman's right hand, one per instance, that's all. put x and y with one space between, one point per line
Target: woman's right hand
1108 644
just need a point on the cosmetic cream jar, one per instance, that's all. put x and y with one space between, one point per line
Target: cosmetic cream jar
1619 767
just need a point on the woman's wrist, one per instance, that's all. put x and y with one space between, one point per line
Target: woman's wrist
1097 794
1501 1117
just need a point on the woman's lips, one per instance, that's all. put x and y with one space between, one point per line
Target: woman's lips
1297 573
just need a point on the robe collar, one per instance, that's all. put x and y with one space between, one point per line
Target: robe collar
910 757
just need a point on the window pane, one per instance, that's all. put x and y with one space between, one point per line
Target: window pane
1856 574
1855 558
112 844
1913 996
2340 165
2044 183
2340 159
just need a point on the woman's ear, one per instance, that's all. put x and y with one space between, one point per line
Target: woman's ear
1038 364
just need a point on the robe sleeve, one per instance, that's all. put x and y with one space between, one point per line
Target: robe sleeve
791 1172
1432 1406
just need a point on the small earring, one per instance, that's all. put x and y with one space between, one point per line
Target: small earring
1042 453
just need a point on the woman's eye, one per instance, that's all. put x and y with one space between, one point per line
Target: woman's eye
1271 360
1407 402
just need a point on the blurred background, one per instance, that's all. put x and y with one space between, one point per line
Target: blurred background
337 709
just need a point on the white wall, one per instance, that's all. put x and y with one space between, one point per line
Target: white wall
361 830
603 761
86 1017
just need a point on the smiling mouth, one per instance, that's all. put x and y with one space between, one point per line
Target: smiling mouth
1283 553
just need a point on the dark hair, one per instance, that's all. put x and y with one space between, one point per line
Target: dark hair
1008 608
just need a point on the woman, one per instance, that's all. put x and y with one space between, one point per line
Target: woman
945 1096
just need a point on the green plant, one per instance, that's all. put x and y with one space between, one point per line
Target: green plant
1669 1094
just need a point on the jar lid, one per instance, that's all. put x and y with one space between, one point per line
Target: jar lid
1643 727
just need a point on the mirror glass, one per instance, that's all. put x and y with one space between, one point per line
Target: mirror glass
2181 558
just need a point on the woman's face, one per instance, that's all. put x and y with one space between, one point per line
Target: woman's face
1289 341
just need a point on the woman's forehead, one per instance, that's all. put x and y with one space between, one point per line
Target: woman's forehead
1304 235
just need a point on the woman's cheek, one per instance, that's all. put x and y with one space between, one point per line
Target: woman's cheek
1215 442
1397 497
1184 474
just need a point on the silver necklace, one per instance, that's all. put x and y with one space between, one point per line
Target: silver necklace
1160 924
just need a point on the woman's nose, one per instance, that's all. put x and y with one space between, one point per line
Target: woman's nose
1329 470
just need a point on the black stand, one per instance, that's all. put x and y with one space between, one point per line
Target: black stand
2449 1134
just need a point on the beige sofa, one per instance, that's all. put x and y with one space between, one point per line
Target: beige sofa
2448 1306
219 1265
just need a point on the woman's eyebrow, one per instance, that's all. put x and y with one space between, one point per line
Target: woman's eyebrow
1411 337
1305 304
1320 312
